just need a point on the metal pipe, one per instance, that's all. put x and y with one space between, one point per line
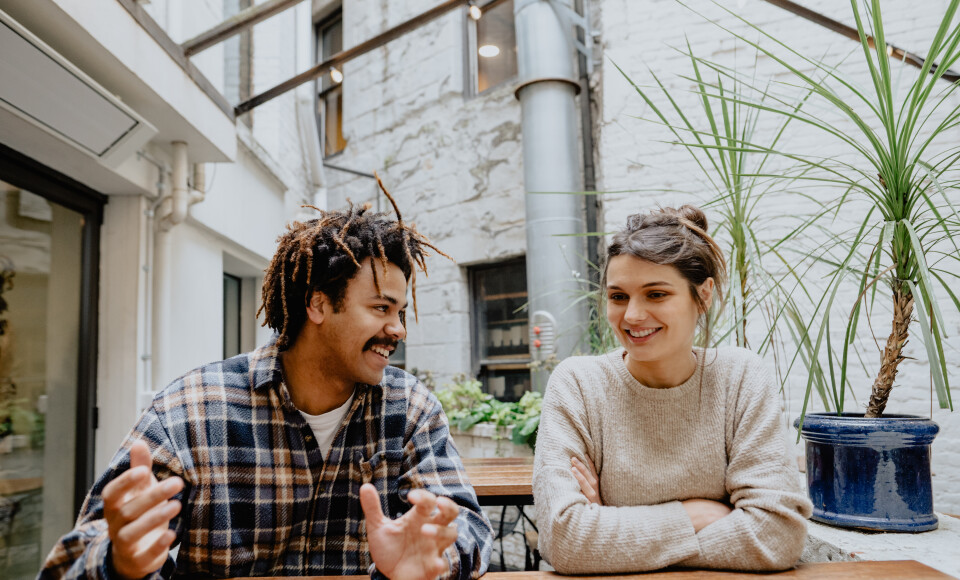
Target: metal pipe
343 56
850 32
591 202
551 163
235 25
179 202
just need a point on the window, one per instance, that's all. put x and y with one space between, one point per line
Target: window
231 315
330 86
500 330
492 42
49 256
240 283
238 60
398 357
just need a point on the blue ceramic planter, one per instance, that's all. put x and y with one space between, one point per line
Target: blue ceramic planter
870 473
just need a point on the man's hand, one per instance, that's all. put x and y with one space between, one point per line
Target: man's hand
704 512
138 510
410 547
586 475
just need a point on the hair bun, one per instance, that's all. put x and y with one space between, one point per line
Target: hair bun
695 215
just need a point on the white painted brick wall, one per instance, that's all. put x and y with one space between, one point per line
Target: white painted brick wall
631 157
452 162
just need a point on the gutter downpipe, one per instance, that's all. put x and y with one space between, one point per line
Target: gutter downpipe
556 250
163 215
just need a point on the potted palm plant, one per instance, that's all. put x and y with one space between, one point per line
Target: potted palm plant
872 469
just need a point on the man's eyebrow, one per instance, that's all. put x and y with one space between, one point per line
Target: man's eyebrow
391 300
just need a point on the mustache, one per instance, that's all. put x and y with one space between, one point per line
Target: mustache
378 341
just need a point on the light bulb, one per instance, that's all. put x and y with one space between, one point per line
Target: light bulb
475 12
488 50
336 75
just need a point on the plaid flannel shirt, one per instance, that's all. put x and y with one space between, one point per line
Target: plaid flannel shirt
259 498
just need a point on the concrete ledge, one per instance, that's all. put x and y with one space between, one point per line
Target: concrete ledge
937 549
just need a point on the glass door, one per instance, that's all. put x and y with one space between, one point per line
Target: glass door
49 254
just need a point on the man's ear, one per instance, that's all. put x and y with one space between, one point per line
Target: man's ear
317 307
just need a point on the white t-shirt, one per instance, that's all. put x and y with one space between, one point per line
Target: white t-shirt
325 425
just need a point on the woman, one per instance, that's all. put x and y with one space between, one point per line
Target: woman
659 453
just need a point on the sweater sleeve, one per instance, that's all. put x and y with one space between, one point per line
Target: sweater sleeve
767 527
578 537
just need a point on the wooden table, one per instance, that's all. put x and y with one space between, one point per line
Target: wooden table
501 480
504 482
873 570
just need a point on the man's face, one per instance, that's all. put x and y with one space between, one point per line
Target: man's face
359 338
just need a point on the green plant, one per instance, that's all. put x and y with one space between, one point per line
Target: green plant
732 184
902 169
466 405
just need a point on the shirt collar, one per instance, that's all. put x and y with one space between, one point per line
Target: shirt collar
265 364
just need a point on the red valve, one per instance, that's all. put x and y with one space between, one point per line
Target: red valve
536 343
536 330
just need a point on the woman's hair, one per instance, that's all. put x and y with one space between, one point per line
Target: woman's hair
678 238
325 253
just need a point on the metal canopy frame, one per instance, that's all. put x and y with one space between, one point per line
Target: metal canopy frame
260 12
851 32
345 55
235 25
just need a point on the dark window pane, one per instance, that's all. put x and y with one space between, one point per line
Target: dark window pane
333 141
502 330
329 89
496 46
231 316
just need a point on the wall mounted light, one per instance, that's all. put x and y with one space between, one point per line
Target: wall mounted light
489 50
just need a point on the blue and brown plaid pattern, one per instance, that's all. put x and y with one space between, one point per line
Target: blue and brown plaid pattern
260 499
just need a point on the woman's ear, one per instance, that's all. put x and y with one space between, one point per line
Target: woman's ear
705 291
317 306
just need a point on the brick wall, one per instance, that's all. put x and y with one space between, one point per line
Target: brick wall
632 155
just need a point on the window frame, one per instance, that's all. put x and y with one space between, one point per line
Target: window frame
320 92
483 367
471 64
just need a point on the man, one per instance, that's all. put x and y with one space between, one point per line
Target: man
300 458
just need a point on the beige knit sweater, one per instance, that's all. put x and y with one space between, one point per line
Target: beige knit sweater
720 439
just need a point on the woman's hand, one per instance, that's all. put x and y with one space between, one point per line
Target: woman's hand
704 512
586 475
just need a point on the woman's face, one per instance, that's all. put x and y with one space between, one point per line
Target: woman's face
652 312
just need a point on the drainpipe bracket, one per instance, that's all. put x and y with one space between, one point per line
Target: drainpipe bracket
525 84
571 21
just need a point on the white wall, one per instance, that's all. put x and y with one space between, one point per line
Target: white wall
631 157
452 161
246 206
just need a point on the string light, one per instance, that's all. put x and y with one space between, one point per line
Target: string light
474 10
335 75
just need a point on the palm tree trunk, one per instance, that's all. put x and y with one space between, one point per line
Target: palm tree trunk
893 353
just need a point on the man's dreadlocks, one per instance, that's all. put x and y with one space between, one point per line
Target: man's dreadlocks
325 253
